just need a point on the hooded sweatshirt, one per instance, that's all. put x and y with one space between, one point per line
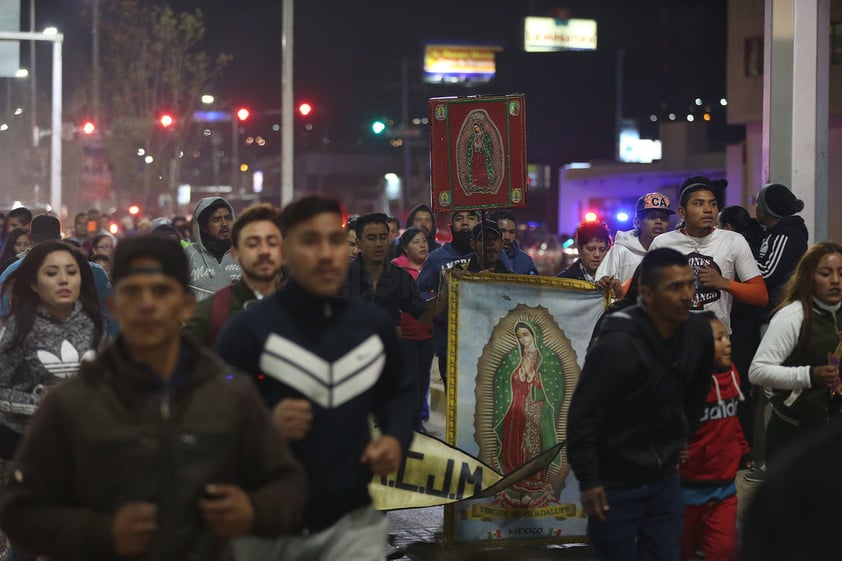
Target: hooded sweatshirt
432 243
623 257
207 274
51 352
445 257
519 261
629 418
718 445
782 247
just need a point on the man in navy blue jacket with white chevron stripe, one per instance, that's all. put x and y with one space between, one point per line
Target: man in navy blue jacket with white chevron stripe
323 363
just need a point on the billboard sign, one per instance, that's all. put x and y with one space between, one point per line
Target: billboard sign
478 152
542 35
455 64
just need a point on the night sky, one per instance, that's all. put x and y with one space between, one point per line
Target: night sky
348 60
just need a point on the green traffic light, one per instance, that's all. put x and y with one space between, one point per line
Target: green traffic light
377 127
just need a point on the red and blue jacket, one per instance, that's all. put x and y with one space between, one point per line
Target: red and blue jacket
716 448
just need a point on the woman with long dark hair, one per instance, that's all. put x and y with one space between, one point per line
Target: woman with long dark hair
17 242
798 357
54 322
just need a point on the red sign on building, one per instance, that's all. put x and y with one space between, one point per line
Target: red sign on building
478 152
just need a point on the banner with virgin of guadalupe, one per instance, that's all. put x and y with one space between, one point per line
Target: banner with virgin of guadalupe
478 152
516 345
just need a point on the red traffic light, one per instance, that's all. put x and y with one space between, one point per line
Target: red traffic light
305 109
243 113
88 127
134 210
166 120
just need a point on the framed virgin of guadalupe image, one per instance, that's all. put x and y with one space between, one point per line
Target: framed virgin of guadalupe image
516 345
478 152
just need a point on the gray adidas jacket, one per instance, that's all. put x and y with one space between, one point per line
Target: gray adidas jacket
50 353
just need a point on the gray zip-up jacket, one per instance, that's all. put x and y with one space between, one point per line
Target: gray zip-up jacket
207 275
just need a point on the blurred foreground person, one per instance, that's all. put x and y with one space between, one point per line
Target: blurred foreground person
324 364
805 474
54 322
156 450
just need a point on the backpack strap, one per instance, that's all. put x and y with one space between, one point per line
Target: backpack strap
218 314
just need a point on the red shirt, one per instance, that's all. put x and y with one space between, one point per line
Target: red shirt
718 445
411 328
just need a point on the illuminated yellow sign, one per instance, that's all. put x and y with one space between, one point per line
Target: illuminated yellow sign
460 63
550 34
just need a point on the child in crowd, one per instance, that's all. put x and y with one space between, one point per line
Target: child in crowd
715 452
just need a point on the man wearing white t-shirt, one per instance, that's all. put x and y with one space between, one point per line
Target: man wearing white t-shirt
718 257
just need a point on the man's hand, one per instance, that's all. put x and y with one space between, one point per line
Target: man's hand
133 527
709 276
595 503
227 510
683 454
383 455
824 375
612 284
292 418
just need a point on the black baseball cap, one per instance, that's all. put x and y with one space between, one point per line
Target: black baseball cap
486 226
168 253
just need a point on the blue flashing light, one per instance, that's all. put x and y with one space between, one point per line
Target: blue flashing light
622 216
211 116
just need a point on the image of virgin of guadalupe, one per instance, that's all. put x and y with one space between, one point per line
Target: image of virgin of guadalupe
479 156
526 375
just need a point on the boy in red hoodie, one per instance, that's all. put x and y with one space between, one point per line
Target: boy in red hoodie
714 455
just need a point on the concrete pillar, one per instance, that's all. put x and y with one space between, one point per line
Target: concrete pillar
795 103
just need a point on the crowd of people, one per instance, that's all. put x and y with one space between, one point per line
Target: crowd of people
201 389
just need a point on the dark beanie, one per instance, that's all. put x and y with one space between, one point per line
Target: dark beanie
44 228
169 254
778 201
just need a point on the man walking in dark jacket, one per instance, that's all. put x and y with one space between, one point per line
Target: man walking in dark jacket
376 280
630 418
324 364
157 450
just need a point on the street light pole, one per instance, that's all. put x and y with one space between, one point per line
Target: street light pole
33 74
287 154
95 61
55 134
